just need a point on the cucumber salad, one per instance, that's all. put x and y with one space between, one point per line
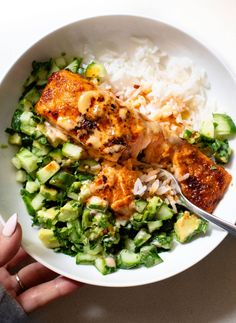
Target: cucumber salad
56 175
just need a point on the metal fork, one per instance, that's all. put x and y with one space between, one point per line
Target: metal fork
231 228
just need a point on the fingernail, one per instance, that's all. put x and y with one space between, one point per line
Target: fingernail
2 223
10 226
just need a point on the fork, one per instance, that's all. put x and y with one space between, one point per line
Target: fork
227 226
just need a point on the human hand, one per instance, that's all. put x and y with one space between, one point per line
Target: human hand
38 285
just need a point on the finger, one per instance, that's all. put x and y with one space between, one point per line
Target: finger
40 295
34 274
9 244
17 259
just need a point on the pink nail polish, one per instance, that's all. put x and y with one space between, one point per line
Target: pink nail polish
10 226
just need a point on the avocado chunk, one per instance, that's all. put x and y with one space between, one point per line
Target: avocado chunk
62 180
70 211
47 214
48 239
48 193
189 225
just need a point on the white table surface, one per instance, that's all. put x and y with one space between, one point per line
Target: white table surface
204 293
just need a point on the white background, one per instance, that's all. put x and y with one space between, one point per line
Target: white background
204 293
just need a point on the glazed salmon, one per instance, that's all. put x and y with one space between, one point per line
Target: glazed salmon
95 118
206 183
115 184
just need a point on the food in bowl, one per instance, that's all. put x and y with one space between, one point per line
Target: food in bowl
93 138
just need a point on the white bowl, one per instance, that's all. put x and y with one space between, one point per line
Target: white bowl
112 31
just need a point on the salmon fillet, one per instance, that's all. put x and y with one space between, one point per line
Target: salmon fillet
115 184
95 118
207 182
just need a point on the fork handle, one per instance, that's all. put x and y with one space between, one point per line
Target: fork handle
227 226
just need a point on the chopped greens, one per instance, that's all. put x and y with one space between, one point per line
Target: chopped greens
218 149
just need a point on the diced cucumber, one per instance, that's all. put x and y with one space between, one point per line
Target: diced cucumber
54 68
128 259
38 201
85 259
56 154
140 205
15 139
207 129
16 162
26 118
49 193
105 265
72 151
154 225
62 180
60 62
25 105
141 237
75 187
27 198
32 187
138 220
149 256
21 176
165 213
28 160
86 219
48 238
45 173
74 65
102 220
153 206
224 126
16 122
40 149
97 203
93 251
73 196
32 96
162 240
70 211
40 72
28 130
130 245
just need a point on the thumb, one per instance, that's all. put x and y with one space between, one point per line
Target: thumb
10 240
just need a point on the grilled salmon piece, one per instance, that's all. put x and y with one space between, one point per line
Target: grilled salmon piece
115 184
207 182
94 118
